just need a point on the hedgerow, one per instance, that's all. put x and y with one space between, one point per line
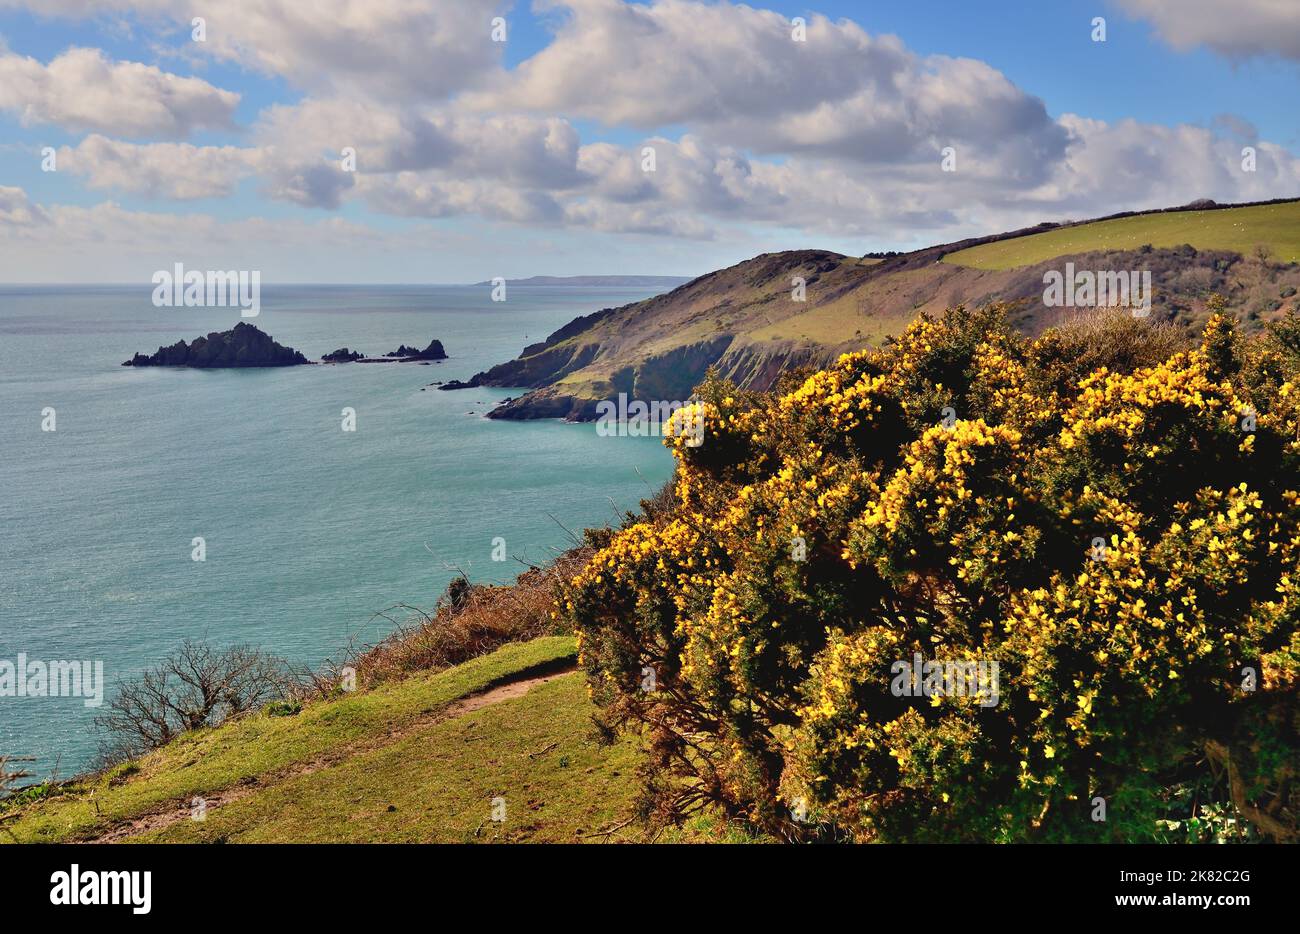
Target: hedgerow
1120 540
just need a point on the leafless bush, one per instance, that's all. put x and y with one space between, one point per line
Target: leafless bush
11 773
660 503
1112 338
1194 280
196 686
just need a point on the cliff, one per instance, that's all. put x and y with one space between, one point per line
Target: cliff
777 311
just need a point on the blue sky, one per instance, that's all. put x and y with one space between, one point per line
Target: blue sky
478 158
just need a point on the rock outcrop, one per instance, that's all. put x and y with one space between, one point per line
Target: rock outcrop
241 346
343 355
433 352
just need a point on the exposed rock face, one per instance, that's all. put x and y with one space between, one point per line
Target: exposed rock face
433 352
241 346
342 355
660 348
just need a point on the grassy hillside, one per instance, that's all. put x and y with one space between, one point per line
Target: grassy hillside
744 319
437 782
419 759
1237 230
748 322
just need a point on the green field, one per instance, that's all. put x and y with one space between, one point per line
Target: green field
1235 229
416 760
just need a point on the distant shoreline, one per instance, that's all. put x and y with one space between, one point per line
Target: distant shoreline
546 281
606 281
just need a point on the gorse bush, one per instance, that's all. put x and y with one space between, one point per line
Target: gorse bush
1117 545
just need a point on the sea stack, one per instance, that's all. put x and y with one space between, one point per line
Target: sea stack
433 352
241 346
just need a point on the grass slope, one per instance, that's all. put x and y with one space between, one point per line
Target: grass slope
437 784
260 750
1235 229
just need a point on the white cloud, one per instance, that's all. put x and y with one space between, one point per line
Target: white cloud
83 90
107 242
1129 164
179 171
534 172
411 194
385 49
417 163
839 137
735 75
522 149
110 243
1237 29
17 211
507 165
390 50
386 139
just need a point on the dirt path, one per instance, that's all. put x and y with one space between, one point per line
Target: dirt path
173 811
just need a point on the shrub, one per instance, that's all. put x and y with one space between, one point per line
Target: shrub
196 686
1112 519
283 708
469 620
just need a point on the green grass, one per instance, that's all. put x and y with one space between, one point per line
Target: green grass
437 784
1236 229
209 761
833 323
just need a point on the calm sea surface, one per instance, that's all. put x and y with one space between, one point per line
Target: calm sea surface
309 530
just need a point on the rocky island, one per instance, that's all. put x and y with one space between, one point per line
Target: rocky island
342 355
433 352
241 346
402 354
246 346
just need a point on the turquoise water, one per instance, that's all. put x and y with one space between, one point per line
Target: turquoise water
309 530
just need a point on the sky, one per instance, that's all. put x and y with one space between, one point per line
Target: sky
427 141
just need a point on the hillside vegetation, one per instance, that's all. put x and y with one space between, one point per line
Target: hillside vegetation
418 759
1236 230
758 319
1093 535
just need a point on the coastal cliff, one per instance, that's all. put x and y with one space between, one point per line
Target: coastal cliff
778 311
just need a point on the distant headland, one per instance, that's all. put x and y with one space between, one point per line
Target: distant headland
650 282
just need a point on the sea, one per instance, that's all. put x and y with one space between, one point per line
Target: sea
310 533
